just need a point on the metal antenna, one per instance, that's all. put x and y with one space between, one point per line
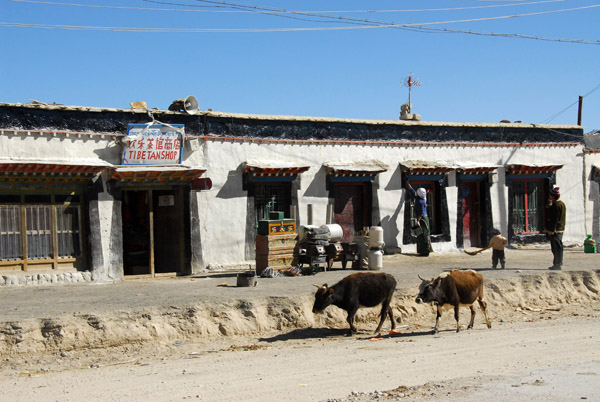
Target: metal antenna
410 81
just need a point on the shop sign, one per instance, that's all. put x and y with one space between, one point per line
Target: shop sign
157 144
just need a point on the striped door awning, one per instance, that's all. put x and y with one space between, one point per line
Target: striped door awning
166 175
426 167
264 168
48 172
518 169
355 169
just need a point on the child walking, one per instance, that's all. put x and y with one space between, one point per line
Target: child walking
497 244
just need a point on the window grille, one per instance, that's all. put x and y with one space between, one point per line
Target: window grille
39 231
271 197
30 230
11 243
527 210
67 231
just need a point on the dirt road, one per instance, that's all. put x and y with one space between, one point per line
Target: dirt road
555 357
183 339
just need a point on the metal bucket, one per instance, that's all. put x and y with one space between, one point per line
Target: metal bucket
246 279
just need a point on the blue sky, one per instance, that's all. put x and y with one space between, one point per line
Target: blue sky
252 58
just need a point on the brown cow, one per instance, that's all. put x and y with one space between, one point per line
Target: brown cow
454 289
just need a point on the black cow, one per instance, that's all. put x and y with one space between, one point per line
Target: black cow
359 290
454 289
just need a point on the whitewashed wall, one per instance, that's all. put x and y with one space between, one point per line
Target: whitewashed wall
222 210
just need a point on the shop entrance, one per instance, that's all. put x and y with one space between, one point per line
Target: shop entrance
153 232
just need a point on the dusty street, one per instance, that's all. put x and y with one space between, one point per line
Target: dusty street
191 338
550 357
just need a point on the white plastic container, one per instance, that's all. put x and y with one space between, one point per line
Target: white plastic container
375 259
376 236
335 231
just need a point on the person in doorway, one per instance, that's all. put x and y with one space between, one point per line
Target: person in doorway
497 244
556 216
423 240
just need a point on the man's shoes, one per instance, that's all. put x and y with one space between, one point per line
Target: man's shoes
555 268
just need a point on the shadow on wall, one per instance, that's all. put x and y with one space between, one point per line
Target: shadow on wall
395 182
317 187
111 154
391 222
233 186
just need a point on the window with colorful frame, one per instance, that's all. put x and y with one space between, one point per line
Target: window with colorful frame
528 205
527 194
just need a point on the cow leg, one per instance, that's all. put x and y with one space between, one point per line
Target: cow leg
483 307
456 318
472 317
350 319
437 319
385 310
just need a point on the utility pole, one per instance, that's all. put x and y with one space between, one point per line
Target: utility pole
579 111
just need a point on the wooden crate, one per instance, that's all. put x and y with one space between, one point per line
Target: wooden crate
275 245
277 262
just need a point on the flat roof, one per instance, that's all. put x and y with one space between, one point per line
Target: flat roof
46 106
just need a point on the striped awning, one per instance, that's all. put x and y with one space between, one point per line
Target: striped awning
426 167
366 168
475 168
147 174
517 169
46 172
264 168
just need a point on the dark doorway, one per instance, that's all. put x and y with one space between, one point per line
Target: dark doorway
470 214
136 232
352 208
168 230
153 232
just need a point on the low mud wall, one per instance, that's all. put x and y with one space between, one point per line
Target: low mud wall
520 298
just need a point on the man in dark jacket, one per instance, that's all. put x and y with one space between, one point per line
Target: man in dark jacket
556 215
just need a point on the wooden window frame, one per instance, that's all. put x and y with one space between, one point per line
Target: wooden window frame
54 261
526 201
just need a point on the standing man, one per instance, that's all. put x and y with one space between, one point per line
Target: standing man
556 216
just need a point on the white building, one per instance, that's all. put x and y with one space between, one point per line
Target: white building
72 199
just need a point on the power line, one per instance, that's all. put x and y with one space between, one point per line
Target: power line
367 11
301 15
555 115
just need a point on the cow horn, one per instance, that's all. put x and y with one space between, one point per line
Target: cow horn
421 278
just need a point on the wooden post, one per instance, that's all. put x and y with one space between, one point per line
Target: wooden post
151 229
